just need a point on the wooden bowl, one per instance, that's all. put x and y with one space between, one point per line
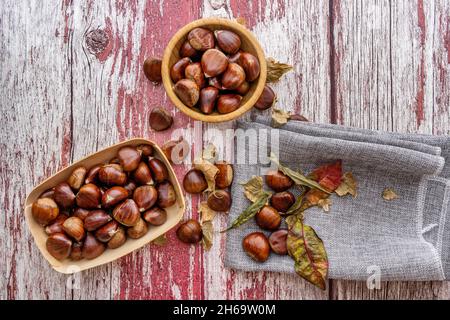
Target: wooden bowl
248 44
174 213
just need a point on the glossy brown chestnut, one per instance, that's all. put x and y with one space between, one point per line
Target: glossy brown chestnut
129 158
176 150
159 170
56 225
44 211
194 72
267 99
113 196
152 69
142 174
146 150
130 187
268 218
233 76
166 195
127 213
215 82
92 248
201 39
177 70
243 88
160 119
278 181
234 58
155 216
187 50
190 231
112 175
282 201
138 230
92 174
96 219
250 64
187 91
89 196
277 241
117 239
194 181
219 200
59 245
73 226
64 195
229 42
145 197
228 103
48 193
208 97
106 232
224 177
76 253
77 177
214 62
81 213
256 246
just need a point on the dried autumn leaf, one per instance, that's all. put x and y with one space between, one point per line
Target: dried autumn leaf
347 186
275 69
295 208
279 117
389 194
253 188
210 172
161 240
208 234
206 213
324 204
308 252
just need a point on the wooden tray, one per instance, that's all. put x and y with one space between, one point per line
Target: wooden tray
174 213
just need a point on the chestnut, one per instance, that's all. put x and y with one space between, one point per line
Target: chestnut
234 58
56 225
214 62
266 100
243 88
145 197
278 181
44 210
117 239
76 254
96 219
219 200
194 181
187 50
142 174
229 42
159 170
155 216
160 119
81 213
92 248
228 103
77 177
256 246
194 72
233 76
278 241
208 98
113 196
177 70
73 226
152 69
250 64
89 196
268 218
92 174
166 195
112 175
130 187
187 91
224 177
59 245
138 230
282 201
129 158
106 232
145 150
64 195
201 39
176 150
215 82
127 213
50 193
190 231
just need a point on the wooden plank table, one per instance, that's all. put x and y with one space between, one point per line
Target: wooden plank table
71 83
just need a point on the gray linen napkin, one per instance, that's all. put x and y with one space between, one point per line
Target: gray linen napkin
405 239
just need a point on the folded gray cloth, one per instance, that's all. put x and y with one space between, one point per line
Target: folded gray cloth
405 239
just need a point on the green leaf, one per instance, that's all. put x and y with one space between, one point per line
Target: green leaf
295 208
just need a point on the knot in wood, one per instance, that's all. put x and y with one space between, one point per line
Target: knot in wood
96 41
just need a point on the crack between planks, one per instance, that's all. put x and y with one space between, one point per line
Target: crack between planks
333 94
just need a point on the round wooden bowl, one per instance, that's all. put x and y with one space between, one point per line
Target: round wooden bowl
248 44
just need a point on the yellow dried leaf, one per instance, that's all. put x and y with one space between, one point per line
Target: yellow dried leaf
206 213
208 235
161 240
253 188
324 204
279 117
347 186
389 194
276 69
210 171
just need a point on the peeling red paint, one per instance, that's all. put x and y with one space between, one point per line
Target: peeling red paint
421 75
336 53
66 148
66 5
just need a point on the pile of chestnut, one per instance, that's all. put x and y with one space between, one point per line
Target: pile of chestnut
257 245
194 182
99 208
